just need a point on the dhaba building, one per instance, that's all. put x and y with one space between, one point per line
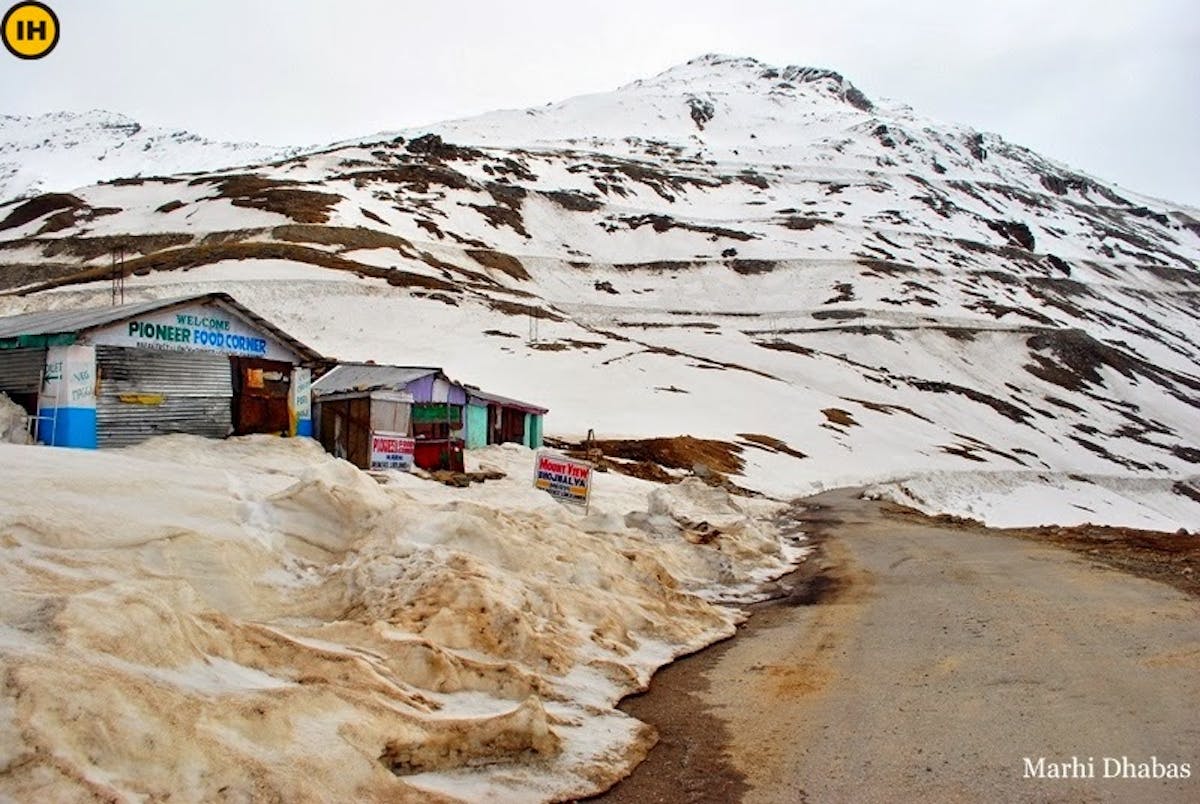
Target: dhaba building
114 376
378 416
495 419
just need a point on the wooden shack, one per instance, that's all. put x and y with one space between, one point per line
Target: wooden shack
368 414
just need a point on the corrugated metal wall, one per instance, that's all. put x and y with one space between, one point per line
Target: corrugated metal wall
145 393
21 370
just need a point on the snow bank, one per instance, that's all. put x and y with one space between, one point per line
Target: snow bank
1026 499
252 618
13 421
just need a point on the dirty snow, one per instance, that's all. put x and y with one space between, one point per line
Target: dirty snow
13 422
254 618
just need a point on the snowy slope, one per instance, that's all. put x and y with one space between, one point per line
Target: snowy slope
64 150
724 249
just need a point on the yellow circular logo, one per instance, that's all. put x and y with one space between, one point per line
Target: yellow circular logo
30 30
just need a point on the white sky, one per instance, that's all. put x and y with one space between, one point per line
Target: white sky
1109 86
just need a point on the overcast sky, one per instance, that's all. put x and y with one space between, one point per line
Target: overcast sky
1111 87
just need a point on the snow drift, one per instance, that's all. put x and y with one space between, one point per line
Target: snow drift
254 618
13 421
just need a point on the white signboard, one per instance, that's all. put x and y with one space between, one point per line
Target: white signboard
70 378
194 328
392 451
563 478
302 393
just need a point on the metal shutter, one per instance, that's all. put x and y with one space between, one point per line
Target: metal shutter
145 393
21 370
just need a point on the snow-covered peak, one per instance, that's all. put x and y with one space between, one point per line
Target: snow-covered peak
65 150
731 109
715 72
742 113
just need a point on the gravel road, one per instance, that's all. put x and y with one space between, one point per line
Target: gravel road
920 662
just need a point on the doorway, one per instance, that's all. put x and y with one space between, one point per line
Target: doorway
261 391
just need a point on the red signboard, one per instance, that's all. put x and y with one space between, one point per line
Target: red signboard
392 451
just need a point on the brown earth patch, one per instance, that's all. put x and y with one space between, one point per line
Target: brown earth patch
845 293
655 266
498 216
516 308
85 249
837 315
418 178
842 418
670 325
883 407
877 267
431 227
281 196
15 276
785 346
348 237
231 236
463 479
663 223
752 267
1189 490
372 216
643 470
962 451
432 145
39 206
1075 357
138 181
678 452
802 223
771 443
1004 408
574 201
649 458
75 217
499 261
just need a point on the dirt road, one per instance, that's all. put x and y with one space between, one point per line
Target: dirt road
927 663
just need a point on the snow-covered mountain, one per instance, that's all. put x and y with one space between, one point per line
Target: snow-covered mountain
727 249
64 150
841 290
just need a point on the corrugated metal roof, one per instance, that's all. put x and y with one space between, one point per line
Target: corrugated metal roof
528 407
59 322
53 322
369 377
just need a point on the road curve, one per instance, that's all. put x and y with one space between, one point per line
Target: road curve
937 662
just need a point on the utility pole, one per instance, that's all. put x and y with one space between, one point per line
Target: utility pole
118 275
